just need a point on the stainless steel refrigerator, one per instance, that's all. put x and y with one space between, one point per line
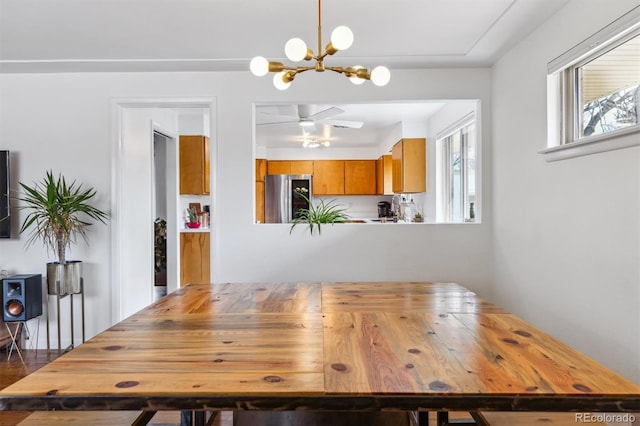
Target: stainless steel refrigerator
283 197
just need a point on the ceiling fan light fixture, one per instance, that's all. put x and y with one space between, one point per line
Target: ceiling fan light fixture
296 50
305 122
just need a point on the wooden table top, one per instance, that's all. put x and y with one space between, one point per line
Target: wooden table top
358 346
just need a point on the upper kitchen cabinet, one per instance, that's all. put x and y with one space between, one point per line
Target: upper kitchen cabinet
384 175
360 177
290 167
344 177
328 177
194 165
409 165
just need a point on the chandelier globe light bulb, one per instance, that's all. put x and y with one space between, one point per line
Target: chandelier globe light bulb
356 80
380 75
279 82
259 66
342 38
295 49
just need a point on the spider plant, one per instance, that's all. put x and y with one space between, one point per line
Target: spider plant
58 212
314 216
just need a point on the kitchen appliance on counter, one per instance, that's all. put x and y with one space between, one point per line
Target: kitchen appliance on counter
384 209
283 197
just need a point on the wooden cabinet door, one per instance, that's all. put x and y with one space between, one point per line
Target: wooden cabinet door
278 167
328 177
194 165
360 177
396 167
195 255
301 167
414 165
261 169
384 178
260 202
409 165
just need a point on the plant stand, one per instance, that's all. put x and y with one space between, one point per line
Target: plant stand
58 297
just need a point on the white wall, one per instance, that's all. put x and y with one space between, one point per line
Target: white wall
567 234
63 121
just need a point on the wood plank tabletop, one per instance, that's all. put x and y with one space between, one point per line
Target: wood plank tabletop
324 346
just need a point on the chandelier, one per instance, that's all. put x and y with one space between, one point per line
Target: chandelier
296 50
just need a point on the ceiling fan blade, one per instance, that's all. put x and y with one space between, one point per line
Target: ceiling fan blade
269 123
344 123
272 118
326 113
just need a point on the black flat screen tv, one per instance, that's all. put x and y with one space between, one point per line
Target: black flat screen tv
5 211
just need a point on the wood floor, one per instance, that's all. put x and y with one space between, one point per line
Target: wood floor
13 370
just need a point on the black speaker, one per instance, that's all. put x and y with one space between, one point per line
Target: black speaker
21 297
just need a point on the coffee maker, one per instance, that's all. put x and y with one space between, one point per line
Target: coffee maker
384 209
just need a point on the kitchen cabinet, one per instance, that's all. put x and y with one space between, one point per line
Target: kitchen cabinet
409 165
290 167
384 175
261 171
194 165
360 177
195 254
328 177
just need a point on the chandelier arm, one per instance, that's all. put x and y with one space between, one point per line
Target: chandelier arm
339 70
320 56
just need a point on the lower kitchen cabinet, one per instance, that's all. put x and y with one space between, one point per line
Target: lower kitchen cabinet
195 258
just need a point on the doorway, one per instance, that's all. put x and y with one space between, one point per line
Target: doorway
164 191
139 128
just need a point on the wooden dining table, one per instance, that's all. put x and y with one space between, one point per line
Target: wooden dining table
351 346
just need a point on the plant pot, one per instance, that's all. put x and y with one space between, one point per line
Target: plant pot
64 279
193 225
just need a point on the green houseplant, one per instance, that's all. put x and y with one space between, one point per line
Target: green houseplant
314 216
57 213
160 251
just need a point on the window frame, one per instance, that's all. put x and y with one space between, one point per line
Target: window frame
444 141
563 111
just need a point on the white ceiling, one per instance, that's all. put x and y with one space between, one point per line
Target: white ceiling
195 35
160 35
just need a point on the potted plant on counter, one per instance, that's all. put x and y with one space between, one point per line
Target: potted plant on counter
58 213
314 216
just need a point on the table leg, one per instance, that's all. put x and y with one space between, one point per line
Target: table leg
192 418
443 418
423 418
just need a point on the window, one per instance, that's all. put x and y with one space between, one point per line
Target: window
594 92
456 173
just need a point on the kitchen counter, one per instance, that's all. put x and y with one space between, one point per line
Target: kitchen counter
195 229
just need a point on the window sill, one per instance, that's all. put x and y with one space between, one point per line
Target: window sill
625 138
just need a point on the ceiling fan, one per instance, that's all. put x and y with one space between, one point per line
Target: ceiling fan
307 117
